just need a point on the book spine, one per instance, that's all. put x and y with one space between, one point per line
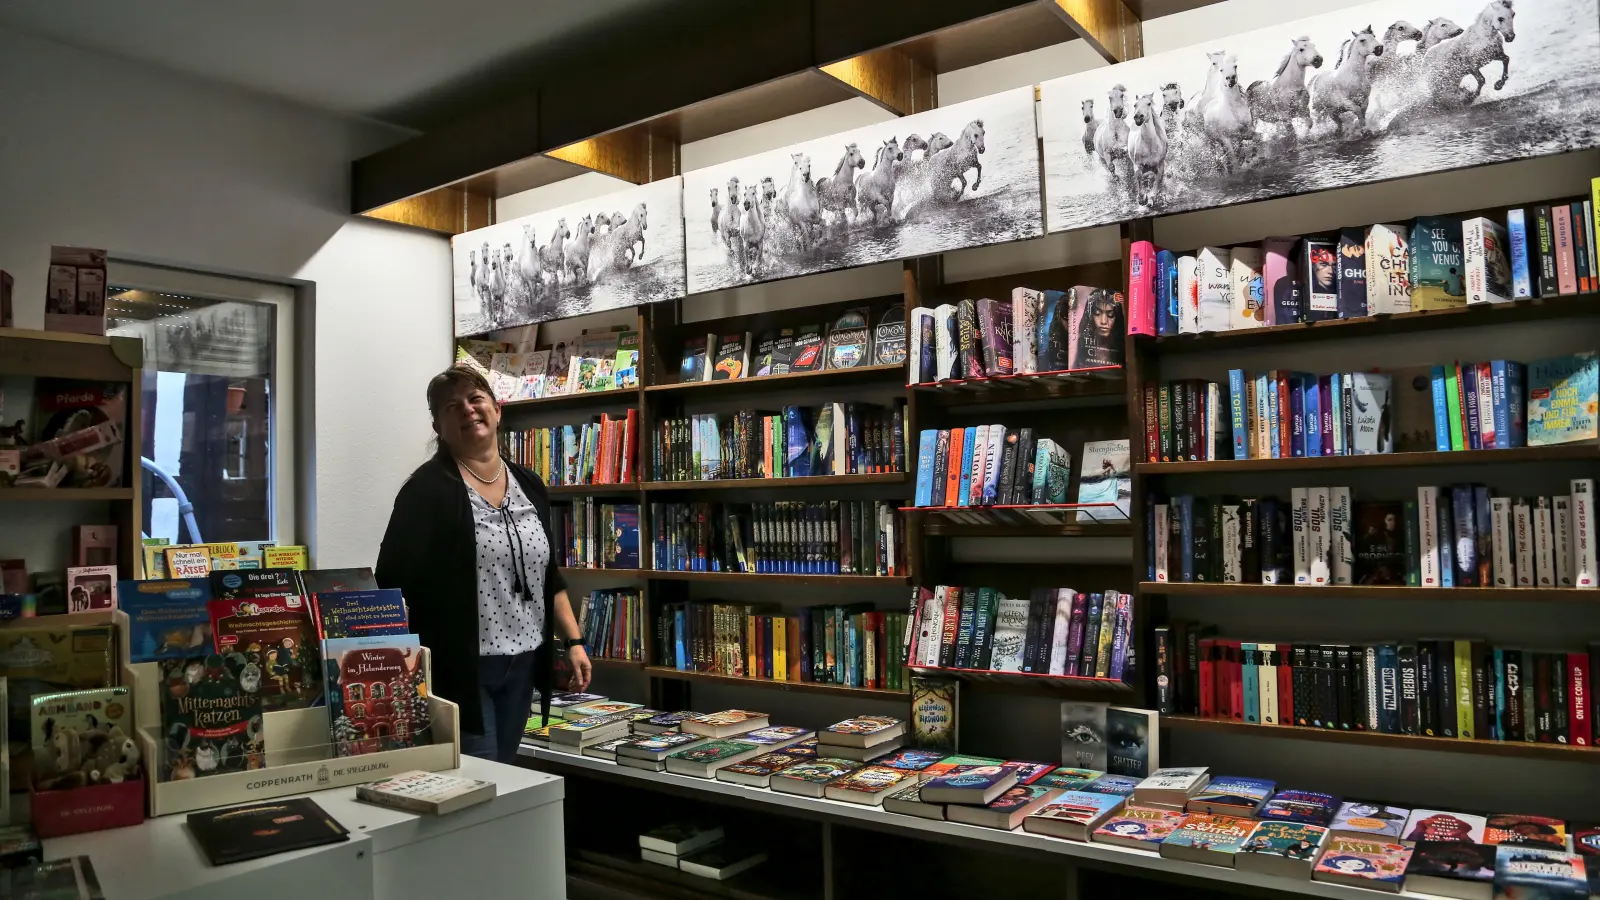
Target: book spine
1161 526
1522 284
1410 698
1503 570
1580 249
1318 539
1166 677
1522 541
1441 410
1580 709
1462 700
1471 421
1428 526
1545 233
1413 545
1142 288
1561 539
1566 262
1300 507
1236 397
1342 551
1464 527
1152 422
1544 561
1164 411
1583 537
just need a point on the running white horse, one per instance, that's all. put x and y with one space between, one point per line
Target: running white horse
1090 126
552 256
1482 44
875 187
1147 150
1284 100
1394 74
1111 140
838 191
576 264
1227 119
728 222
1344 91
1193 117
752 230
800 201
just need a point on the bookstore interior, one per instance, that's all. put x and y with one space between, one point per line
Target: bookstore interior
1194 496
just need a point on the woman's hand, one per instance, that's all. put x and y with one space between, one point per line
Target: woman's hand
582 669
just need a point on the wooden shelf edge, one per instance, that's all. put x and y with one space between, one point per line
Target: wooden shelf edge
778 577
792 379
1029 679
1585 450
625 488
806 687
59 494
582 398
1381 592
1381 739
729 484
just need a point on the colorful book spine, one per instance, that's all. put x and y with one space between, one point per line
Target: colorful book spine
1566 262
1166 293
1522 284
1142 288
927 447
1236 395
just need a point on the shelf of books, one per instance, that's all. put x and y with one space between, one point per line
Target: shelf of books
1384 592
1548 751
887 373
810 687
761 483
798 578
1580 451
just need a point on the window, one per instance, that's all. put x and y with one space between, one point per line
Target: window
218 402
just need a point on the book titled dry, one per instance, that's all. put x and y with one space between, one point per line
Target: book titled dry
427 792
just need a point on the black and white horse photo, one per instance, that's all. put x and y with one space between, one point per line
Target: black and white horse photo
586 257
963 175
1370 93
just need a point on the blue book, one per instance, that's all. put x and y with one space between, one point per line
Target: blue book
1185 505
1052 357
1498 716
1388 689
963 493
1313 414
1441 411
1470 430
927 452
1517 403
1115 785
1252 684
1166 292
1522 284
1545 873
678 626
1274 432
1562 399
797 432
167 618
1336 421
341 614
1297 414
1465 530
1501 412
1236 405
1230 795
1445 522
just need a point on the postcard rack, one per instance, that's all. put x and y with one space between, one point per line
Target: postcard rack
299 756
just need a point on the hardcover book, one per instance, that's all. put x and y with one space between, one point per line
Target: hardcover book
1286 849
726 723
1388 284
359 613
1121 785
808 353
776 737
906 800
1304 807
1506 828
1006 811
1132 738
1521 870
912 761
1140 827
808 777
1069 779
319 581
1083 735
1101 327
972 785
889 337
166 619
863 731
705 759
1172 787
276 634
1451 869
1229 795
376 693
1435 825
934 717
254 830
681 838
733 357
1488 266
1105 477
867 785
849 341
1209 839
427 792
1435 265
211 716
1563 400
758 770
96 724
1073 815
1377 865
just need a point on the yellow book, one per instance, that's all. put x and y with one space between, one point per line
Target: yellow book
229 549
284 557
188 562
780 650
1463 651
749 645
154 558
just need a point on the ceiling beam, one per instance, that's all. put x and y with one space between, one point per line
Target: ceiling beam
637 155
447 210
1109 26
889 78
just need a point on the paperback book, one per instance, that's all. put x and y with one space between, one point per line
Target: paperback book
1286 849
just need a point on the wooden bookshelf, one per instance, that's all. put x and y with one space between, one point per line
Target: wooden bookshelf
939 527
613 663
735 484
888 374
804 687
1071 384
1520 749
586 571
63 494
781 578
1477 316
1031 681
1585 451
1385 592
613 399
594 489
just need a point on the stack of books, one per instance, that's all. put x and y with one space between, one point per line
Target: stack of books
698 848
862 739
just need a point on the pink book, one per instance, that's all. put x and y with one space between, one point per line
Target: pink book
1142 288
1279 283
1566 271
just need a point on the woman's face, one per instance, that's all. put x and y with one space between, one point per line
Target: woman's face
468 418
1105 315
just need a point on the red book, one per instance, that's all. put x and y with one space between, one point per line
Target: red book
1236 680
1566 260
1285 419
1285 684
1578 706
1208 674
1142 288
952 487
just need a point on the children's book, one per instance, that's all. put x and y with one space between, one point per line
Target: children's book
1070 779
1140 827
276 634
1378 865
1521 870
82 737
1451 869
1208 839
1436 825
1280 848
359 613
1505 828
211 716
1360 818
1304 807
377 694
166 619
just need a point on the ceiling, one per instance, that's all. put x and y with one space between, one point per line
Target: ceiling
414 63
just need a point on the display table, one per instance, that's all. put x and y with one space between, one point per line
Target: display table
509 846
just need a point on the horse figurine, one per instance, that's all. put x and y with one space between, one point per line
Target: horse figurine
1090 126
838 191
1147 150
875 187
1345 90
1284 99
1227 121
730 215
752 230
1467 53
552 256
800 201
575 265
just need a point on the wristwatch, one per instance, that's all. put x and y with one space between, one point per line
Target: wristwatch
574 642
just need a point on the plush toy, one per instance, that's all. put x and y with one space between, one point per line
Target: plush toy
125 764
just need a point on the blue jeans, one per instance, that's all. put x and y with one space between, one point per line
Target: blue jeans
505 686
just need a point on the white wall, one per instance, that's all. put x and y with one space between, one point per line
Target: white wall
161 168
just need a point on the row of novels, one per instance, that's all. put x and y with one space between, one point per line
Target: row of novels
851 645
594 534
985 465
612 623
596 361
789 537
600 451
1452 536
798 442
1034 332
1435 262
1465 689
850 342
1052 631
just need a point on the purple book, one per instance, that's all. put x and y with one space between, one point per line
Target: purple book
1281 279
1080 604
1325 392
1297 415
1119 640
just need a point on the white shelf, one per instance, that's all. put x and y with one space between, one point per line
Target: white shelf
877 818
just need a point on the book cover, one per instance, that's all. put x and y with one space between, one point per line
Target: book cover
733 357
1106 477
1053 342
82 737
211 715
869 780
1563 401
1488 269
1371 423
1080 807
1449 865
1214 833
359 613
1375 819
1214 280
376 693
1292 840
1101 327
1319 266
1379 864
1435 263
276 635
1508 828
934 717
1120 785
1083 735
254 830
692 365
849 340
1247 299
1070 779
1139 826
1227 793
1188 295
166 619
1543 872
1351 277
995 328
889 337
1304 807
1522 282
809 352
759 767
1027 307
1281 276
1436 825
427 792
1132 741
715 751
1388 281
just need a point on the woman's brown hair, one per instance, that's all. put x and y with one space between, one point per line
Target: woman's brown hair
446 383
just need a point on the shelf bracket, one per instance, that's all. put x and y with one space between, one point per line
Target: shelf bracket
636 155
891 79
1110 27
447 210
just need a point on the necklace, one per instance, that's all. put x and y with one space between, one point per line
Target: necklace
481 479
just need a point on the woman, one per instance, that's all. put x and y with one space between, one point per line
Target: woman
469 545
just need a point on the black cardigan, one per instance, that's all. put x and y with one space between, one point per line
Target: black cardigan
429 553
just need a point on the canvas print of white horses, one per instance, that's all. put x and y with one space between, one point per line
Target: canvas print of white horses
618 250
963 175
1370 93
